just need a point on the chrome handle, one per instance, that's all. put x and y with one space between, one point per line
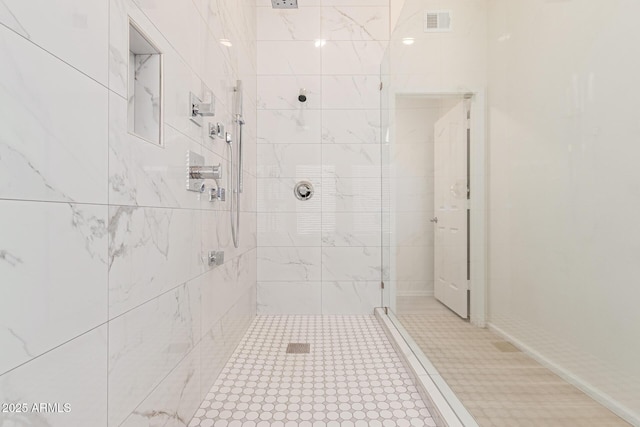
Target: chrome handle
434 219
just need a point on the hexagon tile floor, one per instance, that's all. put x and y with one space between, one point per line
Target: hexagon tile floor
351 377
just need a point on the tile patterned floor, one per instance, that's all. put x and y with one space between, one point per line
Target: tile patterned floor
351 378
498 384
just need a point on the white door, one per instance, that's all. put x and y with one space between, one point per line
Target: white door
450 197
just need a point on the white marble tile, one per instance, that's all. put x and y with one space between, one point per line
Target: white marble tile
289 24
289 160
144 174
175 400
221 71
144 102
179 80
289 126
351 126
288 58
351 160
350 297
54 139
278 264
249 198
352 57
146 343
351 195
219 16
276 195
351 92
52 256
355 23
289 229
289 298
237 320
351 263
181 25
223 286
220 230
74 373
151 250
281 93
212 357
120 14
351 228
76 32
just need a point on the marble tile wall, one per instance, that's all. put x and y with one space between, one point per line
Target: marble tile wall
107 302
320 256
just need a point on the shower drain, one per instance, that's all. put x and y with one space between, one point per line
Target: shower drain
298 348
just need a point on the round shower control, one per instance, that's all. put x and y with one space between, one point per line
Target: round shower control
303 190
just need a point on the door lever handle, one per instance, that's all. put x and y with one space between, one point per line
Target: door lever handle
434 219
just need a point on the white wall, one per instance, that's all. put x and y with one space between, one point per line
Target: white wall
564 197
320 255
106 301
435 64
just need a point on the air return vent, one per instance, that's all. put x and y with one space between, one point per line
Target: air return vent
284 4
436 21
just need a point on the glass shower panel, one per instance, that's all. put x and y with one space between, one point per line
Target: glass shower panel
561 150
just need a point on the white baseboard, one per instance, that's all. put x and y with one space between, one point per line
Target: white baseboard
597 395
401 293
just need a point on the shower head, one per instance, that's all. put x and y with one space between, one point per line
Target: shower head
284 4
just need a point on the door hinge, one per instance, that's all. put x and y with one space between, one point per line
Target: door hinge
386 310
381 85
382 285
468 285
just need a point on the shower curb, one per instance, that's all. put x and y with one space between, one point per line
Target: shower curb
442 403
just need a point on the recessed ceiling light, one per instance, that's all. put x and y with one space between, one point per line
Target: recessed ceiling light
226 42
320 42
408 40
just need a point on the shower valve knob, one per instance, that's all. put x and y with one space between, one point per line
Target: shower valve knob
216 258
217 194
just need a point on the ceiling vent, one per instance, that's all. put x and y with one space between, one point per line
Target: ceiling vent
437 21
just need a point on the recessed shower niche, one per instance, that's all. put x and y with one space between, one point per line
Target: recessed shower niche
145 87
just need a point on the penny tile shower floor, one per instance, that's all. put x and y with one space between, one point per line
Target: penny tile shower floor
351 377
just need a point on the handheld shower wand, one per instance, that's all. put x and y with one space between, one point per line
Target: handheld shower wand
236 182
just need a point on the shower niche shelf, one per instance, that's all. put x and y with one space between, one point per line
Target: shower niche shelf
145 113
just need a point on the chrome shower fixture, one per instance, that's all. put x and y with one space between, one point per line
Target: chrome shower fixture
197 172
284 4
200 108
302 96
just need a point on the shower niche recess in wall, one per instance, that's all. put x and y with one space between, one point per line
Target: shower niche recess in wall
144 87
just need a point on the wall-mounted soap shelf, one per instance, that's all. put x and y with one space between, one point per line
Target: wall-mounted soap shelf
145 111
